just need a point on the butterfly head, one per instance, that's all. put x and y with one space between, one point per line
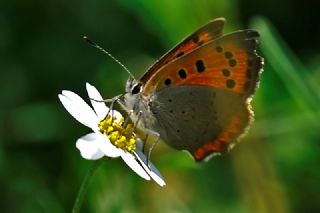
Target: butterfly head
133 93
133 87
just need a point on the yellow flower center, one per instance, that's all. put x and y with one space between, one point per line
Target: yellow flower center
119 136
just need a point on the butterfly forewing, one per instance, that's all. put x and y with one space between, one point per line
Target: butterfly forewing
208 32
229 62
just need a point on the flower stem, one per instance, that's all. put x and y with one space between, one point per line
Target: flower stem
84 186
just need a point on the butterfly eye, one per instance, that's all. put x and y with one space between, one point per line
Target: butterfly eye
136 88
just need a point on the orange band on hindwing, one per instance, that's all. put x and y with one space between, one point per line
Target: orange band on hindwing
222 143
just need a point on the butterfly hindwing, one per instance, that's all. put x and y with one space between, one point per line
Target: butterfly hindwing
199 119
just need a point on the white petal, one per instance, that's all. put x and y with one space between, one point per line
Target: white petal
130 160
79 109
108 148
75 112
97 101
150 168
88 146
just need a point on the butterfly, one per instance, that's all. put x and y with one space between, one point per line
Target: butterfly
197 96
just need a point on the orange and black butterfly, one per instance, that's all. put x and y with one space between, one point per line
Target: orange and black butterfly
197 96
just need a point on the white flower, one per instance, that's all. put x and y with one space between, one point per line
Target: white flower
108 138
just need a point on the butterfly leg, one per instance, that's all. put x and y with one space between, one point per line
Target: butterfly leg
126 121
136 126
111 100
135 123
122 105
146 137
154 143
114 99
151 148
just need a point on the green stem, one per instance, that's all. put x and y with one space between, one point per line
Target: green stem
84 186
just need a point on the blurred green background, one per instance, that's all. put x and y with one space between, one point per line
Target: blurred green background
274 169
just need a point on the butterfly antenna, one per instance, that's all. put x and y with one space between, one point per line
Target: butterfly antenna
108 54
